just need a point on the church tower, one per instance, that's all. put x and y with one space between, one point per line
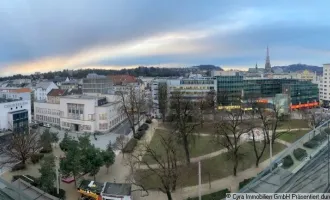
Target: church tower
268 68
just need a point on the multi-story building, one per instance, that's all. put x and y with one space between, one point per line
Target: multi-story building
83 113
94 83
42 89
324 86
123 83
15 114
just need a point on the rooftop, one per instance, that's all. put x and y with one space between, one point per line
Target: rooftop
91 186
44 84
122 79
122 189
56 92
82 97
4 100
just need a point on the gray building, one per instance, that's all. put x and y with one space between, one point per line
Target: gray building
94 83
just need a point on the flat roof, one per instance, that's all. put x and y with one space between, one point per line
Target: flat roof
81 97
18 111
91 186
123 189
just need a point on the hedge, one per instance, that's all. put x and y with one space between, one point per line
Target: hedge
131 144
18 166
216 195
139 134
148 121
300 153
46 149
245 182
311 144
35 158
287 162
320 137
327 130
143 127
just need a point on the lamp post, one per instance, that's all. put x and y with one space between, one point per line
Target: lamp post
57 175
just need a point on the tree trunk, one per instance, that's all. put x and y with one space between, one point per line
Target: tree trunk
107 170
75 181
186 149
257 161
235 165
169 195
94 177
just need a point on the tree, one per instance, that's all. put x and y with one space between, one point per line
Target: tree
95 159
314 119
162 99
120 144
48 173
19 148
184 119
228 133
132 104
166 172
71 164
108 158
67 141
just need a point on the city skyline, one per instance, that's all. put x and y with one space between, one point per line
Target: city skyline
47 36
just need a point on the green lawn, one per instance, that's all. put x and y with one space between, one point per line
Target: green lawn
293 123
201 146
293 136
212 169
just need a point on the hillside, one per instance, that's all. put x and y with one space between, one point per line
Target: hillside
207 67
300 67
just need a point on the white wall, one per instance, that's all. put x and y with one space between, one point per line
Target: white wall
41 94
5 108
47 113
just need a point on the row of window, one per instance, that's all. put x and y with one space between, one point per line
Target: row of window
48 119
75 108
47 111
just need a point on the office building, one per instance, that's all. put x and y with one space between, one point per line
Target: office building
324 86
94 83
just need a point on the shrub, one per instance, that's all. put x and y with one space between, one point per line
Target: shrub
143 127
129 147
320 137
139 134
287 162
300 153
148 121
311 144
35 158
216 195
245 182
46 149
327 130
18 166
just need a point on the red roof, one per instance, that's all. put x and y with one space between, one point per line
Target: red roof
120 79
19 90
56 92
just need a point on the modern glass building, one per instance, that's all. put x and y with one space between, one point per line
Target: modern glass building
232 90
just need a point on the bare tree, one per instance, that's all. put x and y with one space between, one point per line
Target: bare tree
184 118
166 169
120 143
162 100
19 148
133 104
228 133
314 119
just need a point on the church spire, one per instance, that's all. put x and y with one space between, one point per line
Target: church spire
268 68
256 66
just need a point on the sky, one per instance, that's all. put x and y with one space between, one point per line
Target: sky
46 35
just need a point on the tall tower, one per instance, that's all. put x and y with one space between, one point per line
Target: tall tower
268 68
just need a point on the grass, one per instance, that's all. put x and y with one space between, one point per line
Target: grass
293 123
202 145
212 169
293 136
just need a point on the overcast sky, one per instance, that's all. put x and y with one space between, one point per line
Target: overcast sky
44 35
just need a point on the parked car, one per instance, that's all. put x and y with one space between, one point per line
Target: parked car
47 125
41 124
34 126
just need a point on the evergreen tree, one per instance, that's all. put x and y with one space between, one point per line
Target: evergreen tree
48 173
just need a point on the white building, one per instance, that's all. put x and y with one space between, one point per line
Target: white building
42 89
324 86
82 113
16 93
15 114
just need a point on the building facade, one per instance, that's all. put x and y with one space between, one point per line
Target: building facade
94 83
324 86
42 89
15 114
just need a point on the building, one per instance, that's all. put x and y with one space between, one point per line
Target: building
123 83
94 83
42 89
15 114
116 191
155 86
324 86
268 67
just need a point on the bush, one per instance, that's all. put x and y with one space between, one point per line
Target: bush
245 182
327 130
287 162
46 149
139 134
130 146
300 153
18 166
35 158
148 121
216 195
143 127
319 137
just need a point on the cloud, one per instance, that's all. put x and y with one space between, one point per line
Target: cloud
52 35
